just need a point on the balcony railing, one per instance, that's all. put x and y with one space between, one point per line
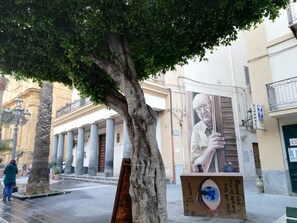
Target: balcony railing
68 108
291 12
292 17
158 78
282 94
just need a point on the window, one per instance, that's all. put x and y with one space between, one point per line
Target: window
247 75
118 138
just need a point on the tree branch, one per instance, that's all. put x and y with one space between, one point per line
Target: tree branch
118 102
122 70
109 67
119 47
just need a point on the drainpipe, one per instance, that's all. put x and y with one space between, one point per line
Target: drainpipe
172 142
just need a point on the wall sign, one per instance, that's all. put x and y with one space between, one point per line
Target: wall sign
293 142
258 116
293 154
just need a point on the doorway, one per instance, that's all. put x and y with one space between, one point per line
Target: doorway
257 159
290 138
101 157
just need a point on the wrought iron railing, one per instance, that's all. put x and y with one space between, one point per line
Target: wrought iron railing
282 94
158 78
292 13
68 108
292 17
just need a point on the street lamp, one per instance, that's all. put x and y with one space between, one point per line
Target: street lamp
16 116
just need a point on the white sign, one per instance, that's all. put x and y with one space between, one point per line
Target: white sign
293 154
258 116
293 142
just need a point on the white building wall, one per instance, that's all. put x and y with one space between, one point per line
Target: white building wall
247 139
223 74
282 60
154 101
282 47
118 150
277 28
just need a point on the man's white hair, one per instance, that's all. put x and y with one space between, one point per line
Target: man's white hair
196 99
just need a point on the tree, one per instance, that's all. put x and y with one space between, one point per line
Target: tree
38 181
106 47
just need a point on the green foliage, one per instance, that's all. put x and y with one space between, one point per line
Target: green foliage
57 170
5 145
53 40
52 164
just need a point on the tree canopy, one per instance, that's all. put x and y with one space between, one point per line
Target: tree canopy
105 47
56 40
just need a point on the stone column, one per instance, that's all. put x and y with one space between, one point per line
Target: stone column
55 149
69 148
127 149
93 151
60 150
108 170
79 169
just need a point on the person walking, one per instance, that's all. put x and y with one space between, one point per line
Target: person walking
24 169
10 172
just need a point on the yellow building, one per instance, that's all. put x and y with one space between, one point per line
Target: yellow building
29 92
272 53
83 134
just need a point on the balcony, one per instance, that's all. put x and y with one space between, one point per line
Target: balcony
292 17
68 108
157 78
282 95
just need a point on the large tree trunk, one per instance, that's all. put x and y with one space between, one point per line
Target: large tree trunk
148 179
38 181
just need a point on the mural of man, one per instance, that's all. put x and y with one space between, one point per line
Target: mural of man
204 141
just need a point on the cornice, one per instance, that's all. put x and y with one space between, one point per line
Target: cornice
154 88
24 94
83 111
279 40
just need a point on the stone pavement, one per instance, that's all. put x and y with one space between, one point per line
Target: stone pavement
93 203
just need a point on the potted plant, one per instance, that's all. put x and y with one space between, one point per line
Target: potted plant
57 172
52 166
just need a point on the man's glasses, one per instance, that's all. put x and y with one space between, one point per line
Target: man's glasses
205 105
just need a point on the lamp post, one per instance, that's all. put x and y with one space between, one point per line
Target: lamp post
16 116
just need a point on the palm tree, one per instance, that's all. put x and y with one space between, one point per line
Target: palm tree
3 83
38 181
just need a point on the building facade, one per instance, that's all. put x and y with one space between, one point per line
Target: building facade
224 76
272 53
92 139
29 92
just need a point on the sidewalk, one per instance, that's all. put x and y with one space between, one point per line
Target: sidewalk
93 203
260 208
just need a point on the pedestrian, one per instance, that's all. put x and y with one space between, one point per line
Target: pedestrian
10 172
24 169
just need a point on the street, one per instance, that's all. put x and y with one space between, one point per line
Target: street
93 203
